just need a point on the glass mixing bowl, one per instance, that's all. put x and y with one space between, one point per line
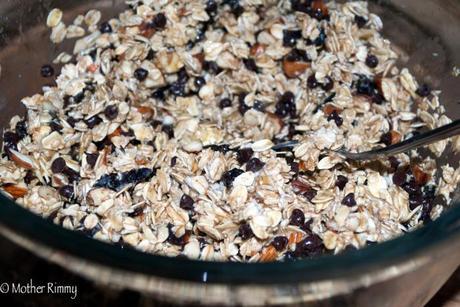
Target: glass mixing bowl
405 271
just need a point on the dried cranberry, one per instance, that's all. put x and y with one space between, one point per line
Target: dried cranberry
297 218
225 103
290 37
46 71
423 91
372 61
229 176
141 74
186 202
254 165
279 243
349 200
245 231
66 191
341 181
111 112
243 155
286 105
58 165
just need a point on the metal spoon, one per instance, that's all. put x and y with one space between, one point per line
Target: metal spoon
425 138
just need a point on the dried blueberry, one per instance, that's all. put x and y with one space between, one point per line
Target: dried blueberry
349 200
310 246
250 64
372 61
290 37
279 243
58 165
254 165
46 71
297 218
243 155
360 21
365 86
111 112
211 8
286 105
158 22
229 176
341 181
312 82
186 202
21 129
105 27
93 121
225 103
91 158
141 74
423 91
199 82
66 191
245 231
169 130
328 84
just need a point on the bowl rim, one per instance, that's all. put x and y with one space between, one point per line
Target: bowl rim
406 247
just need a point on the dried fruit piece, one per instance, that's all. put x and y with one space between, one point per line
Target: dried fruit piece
269 254
14 190
421 178
293 69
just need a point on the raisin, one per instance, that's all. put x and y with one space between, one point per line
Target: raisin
58 165
141 74
169 130
245 231
229 176
243 155
111 112
199 82
341 181
21 129
312 82
93 121
250 64
186 202
336 118
66 191
91 159
328 84
286 105
158 22
360 21
225 103
105 27
423 91
254 165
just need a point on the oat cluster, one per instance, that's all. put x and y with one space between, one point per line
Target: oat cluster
158 132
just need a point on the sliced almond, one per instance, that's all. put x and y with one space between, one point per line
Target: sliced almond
269 254
21 160
294 69
15 191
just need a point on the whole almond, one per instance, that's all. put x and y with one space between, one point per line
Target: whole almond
294 69
15 191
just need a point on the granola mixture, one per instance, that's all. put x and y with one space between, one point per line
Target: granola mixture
159 130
